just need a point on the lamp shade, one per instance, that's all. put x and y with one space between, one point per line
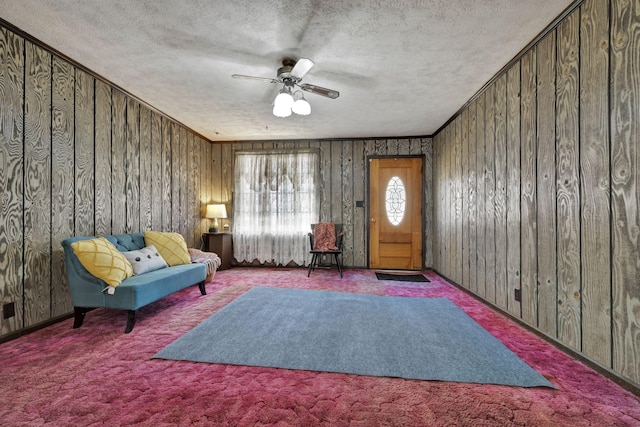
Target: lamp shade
216 211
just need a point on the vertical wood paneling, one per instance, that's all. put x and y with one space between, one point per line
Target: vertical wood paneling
473 197
625 185
404 147
146 171
227 178
118 162
438 205
227 172
513 188
194 198
359 219
132 162
167 175
490 191
37 186
501 192
594 165
426 148
347 201
457 231
325 181
210 166
204 190
157 186
546 186
215 169
464 182
62 179
449 164
11 172
481 197
337 207
84 154
446 201
180 184
528 188
205 179
568 183
103 159
175 177
183 184
572 185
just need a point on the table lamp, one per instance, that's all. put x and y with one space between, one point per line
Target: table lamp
215 211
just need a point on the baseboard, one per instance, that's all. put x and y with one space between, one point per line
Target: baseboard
603 370
13 335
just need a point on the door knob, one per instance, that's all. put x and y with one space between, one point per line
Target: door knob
373 220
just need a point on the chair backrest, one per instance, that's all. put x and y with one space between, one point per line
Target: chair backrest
339 235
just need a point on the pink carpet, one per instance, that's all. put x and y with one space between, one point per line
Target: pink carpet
97 375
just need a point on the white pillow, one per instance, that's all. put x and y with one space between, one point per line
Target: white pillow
145 260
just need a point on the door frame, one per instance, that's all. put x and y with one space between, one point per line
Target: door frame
368 204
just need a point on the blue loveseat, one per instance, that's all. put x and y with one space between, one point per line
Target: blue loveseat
89 292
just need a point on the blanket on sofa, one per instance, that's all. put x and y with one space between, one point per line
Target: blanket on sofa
211 260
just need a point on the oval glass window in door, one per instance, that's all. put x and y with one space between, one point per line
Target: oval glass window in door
396 198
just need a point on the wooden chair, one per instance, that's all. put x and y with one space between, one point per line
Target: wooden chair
317 254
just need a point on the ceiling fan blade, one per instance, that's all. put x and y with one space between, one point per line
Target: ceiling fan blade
262 79
302 67
329 93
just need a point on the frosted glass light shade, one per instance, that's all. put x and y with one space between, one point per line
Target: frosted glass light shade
284 99
301 107
280 111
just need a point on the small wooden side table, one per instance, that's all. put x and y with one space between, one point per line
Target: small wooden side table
221 244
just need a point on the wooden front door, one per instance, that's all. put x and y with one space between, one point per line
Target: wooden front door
395 211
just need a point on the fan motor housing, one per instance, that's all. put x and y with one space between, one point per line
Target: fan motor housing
284 72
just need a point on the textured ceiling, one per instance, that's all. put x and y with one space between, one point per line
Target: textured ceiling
403 68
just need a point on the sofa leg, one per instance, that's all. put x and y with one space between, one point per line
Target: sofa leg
203 290
131 321
78 317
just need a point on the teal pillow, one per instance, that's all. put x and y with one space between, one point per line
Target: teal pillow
145 260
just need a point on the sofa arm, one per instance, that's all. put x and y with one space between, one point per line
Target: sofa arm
86 289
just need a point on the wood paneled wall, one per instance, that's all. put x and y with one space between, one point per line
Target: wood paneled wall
80 157
343 178
542 171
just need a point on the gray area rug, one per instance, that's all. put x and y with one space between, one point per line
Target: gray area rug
413 338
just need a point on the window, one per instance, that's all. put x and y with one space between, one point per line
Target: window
395 200
275 203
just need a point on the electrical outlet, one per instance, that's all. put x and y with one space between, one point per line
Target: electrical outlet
518 295
8 310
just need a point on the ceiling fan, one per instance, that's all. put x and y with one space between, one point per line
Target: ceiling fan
290 76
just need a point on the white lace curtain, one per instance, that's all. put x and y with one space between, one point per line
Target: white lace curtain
275 203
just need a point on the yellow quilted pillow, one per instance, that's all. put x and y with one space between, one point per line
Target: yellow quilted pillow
171 246
103 260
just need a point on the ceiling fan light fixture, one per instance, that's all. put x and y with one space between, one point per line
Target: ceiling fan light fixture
283 99
281 111
300 105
